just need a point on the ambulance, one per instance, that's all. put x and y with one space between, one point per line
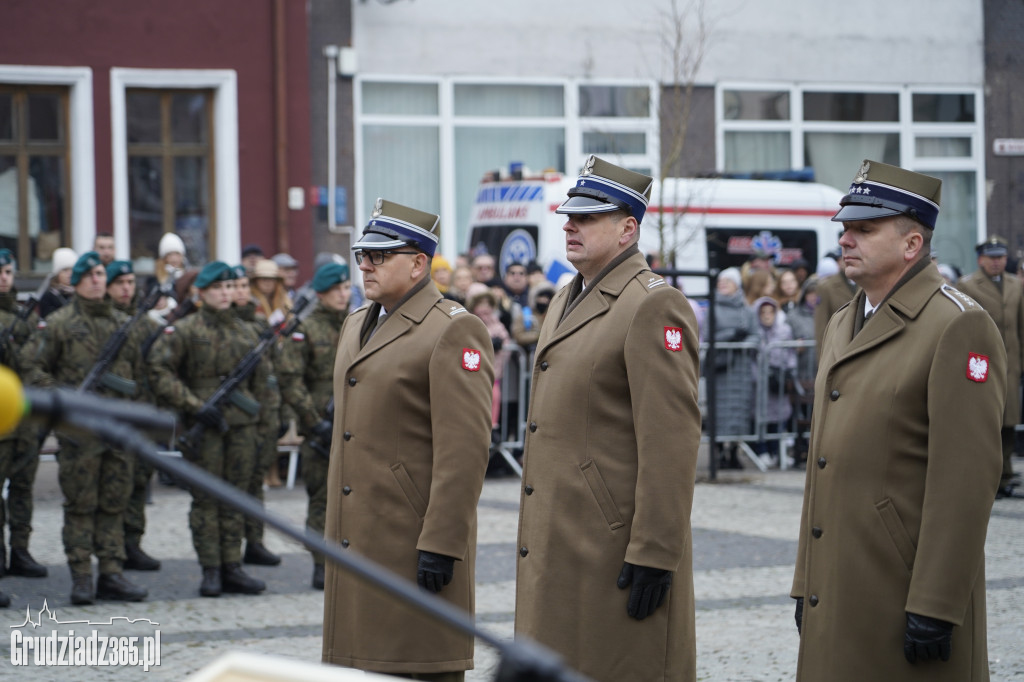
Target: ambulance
723 221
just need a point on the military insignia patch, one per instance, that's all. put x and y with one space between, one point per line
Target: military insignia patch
168 330
41 324
471 359
298 336
977 367
674 338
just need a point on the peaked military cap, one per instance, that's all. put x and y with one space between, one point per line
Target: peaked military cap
217 271
393 226
85 263
880 190
603 187
993 246
118 268
6 257
328 275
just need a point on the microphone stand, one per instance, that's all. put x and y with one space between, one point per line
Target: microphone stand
521 660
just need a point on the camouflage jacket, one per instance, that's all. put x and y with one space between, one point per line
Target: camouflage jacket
70 340
269 394
306 366
193 357
16 331
143 327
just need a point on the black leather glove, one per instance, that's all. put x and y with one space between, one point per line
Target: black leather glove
210 416
799 615
650 587
927 639
323 430
434 571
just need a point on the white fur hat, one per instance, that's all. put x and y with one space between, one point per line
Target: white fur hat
733 275
64 258
171 243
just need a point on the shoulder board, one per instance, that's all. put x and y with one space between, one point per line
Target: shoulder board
959 298
450 308
649 280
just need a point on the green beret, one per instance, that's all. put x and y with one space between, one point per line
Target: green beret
329 274
217 271
118 268
84 265
6 257
240 271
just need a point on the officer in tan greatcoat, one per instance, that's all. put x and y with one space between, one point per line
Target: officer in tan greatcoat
412 427
905 456
605 570
1000 294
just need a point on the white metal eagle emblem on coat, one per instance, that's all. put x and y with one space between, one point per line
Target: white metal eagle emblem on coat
471 359
674 338
977 367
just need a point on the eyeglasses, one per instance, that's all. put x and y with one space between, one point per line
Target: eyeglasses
377 257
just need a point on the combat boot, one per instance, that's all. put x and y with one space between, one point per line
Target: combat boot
256 553
81 589
318 576
24 565
137 560
210 587
238 581
115 587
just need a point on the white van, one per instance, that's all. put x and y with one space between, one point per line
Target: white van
515 220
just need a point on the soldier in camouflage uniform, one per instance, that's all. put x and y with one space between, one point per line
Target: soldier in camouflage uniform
121 288
187 365
96 479
306 371
270 421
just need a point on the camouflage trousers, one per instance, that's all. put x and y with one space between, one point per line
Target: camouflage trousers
96 482
217 528
135 512
314 473
266 457
21 453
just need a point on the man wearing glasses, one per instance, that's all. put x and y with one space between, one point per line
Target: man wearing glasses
412 426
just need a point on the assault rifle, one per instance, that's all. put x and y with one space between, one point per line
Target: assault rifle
320 446
98 374
7 335
189 442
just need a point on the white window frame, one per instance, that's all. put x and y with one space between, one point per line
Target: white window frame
224 83
82 164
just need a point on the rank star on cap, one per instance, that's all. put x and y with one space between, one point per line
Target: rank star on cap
674 339
977 367
471 359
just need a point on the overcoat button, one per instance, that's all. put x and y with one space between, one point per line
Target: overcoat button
351 381
345 543
346 490
813 601
523 551
533 426
544 366
529 490
816 532
348 435
834 395
821 462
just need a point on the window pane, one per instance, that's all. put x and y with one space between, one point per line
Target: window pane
956 231
400 98
509 100
835 156
46 199
402 164
603 100
951 108
145 205
143 111
755 105
192 206
188 117
752 152
44 120
614 143
478 150
6 117
9 203
959 147
851 106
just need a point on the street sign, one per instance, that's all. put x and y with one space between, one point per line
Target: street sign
1008 146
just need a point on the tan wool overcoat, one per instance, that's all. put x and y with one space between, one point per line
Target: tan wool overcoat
610 460
412 428
1007 310
904 462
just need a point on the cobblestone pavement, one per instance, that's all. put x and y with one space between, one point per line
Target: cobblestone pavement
744 538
